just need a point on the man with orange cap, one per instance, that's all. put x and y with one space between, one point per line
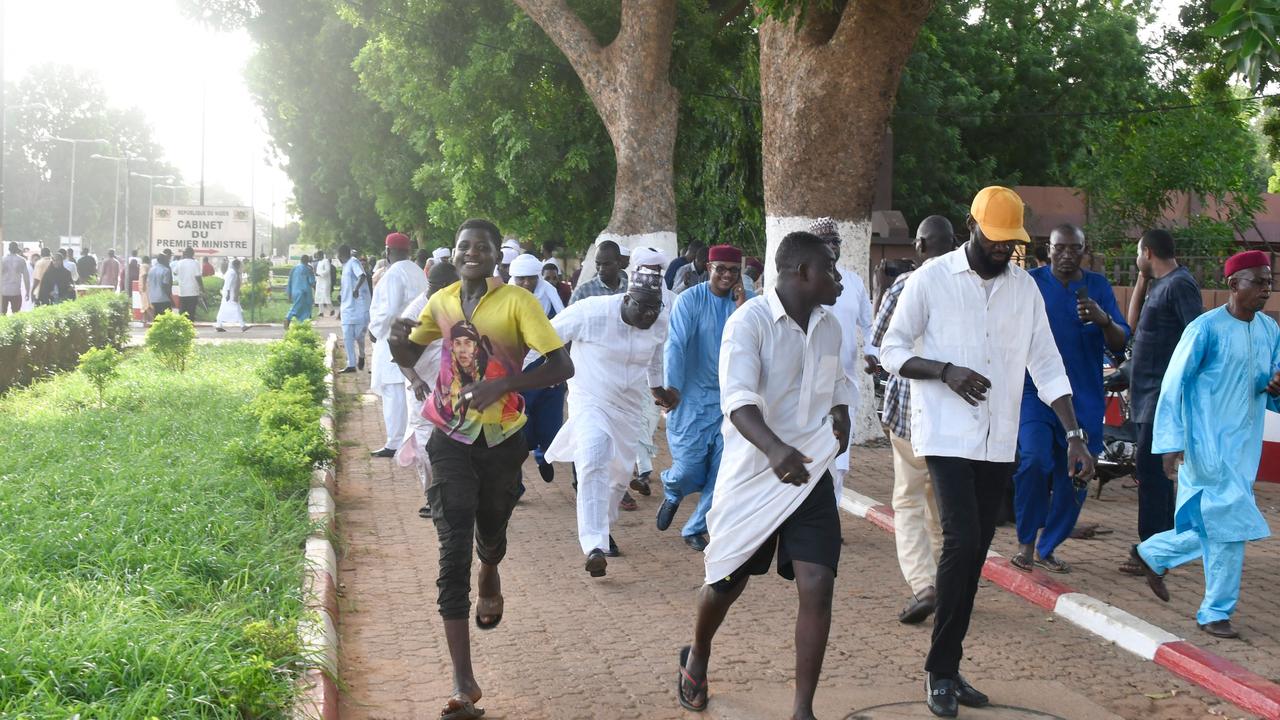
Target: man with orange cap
1223 377
401 282
968 328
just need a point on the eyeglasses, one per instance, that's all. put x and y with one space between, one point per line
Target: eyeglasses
719 269
1264 281
1065 249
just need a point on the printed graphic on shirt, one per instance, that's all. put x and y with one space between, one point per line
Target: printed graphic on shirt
468 357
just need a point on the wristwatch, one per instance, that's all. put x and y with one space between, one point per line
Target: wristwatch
1080 434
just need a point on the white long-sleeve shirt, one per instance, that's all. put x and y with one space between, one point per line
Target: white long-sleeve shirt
997 328
400 284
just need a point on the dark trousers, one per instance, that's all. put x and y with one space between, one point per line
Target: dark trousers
8 302
187 306
158 308
969 494
472 493
545 409
1156 498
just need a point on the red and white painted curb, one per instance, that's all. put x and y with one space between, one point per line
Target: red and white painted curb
318 696
1219 676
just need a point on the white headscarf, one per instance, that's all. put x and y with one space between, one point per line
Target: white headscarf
649 256
441 253
529 266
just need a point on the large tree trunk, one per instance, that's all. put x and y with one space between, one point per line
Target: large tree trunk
827 91
628 82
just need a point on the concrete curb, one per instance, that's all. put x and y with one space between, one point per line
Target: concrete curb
1216 674
318 633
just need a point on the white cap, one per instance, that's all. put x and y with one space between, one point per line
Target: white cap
525 266
624 251
511 243
441 253
553 261
508 255
649 256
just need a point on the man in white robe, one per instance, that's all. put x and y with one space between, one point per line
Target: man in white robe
401 282
616 343
785 400
324 282
230 312
655 260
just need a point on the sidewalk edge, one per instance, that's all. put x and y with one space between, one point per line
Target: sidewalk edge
1214 673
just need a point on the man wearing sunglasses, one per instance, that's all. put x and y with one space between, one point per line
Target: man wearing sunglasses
616 341
692 392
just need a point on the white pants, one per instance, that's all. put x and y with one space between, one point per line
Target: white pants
916 528
646 451
229 312
395 414
602 479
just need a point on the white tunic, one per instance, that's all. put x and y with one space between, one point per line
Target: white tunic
853 311
400 284
795 378
324 285
230 311
614 365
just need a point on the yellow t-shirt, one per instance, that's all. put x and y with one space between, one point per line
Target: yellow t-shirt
506 323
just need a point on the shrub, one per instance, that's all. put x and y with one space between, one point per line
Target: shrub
290 440
101 366
212 291
172 338
48 339
298 355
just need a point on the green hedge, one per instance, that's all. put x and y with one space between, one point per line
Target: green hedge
52 338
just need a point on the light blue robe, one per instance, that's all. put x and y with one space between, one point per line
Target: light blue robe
1212 407
691 363
302 291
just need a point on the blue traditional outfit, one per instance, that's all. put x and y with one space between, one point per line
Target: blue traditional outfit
354 309
1042 441
691 364
1212 406
302 291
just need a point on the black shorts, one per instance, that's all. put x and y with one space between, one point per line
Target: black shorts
811 534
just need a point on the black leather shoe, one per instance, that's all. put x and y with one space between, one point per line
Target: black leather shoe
920 607
346 370
613 549
1220 629
425 512
384 452
596 563
1155 581
697 542
969 696
360 363
666 512
547 471
940 696
640 484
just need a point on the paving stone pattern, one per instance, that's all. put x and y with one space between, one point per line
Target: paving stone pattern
575 647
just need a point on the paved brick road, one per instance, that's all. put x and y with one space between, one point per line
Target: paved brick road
574 647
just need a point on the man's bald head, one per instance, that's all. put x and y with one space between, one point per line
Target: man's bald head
935 237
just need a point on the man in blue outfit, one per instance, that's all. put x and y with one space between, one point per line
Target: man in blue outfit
692 393
353 307
1084 317
1223 377
301 291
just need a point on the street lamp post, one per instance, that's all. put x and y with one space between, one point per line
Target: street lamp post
126 159
151 208
71 197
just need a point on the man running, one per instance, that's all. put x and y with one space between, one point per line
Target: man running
775 489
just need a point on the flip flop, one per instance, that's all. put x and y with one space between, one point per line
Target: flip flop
1021 562
1053 565
489 607
460 707
699 686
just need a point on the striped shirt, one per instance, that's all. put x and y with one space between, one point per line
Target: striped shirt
897 392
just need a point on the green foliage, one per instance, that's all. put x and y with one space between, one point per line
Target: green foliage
172 338
297 357
290 440
101 366
1246 32
212 290
36 344
1132 166
253 294
159 579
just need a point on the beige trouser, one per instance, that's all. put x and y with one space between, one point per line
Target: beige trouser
916 529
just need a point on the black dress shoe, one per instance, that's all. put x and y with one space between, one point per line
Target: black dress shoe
596 563
613 549
547 471
1155 581
697 542
384 452
360 363
920 607
1220 629
666 512
425 512
969 696
940 696
640 484
346 370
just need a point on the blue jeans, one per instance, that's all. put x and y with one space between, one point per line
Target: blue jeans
1043 495
353 333
695 461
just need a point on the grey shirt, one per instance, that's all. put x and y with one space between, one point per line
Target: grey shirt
15 278
1173 301
159 283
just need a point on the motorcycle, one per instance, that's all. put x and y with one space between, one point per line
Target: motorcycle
1119 435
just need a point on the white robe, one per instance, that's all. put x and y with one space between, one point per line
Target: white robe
413 451
230 312
324 285
400 284
853 310
614 365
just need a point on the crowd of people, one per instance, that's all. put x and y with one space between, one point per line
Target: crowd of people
48 277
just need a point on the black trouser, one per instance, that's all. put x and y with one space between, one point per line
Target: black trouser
187 305
969 493
158 308
472 493
8 302
1156 499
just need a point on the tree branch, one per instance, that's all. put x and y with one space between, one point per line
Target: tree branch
857 16
567 32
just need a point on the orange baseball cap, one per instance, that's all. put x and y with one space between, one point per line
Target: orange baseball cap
998 212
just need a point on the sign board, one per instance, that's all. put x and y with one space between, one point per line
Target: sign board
71 244
297 250
212 230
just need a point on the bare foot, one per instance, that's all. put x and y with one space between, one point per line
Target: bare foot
488 584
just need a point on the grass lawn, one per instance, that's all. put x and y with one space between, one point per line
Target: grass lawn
273 312
141 573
